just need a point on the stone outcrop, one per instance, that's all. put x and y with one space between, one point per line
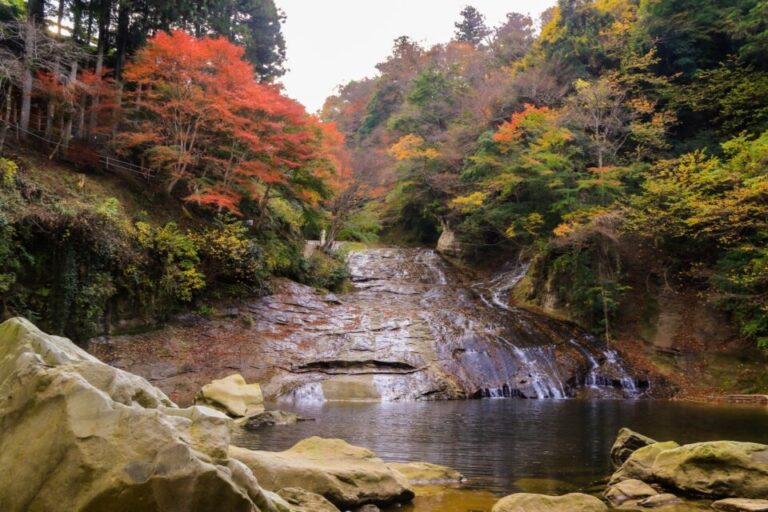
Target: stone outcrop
420 473
627 442
80 435
347 476
524 502
715 469
233 396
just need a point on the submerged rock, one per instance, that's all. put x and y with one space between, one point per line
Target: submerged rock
233 396
524 502
78 434
347 476
421 473
625 445
660 500
628 490
715 469
741 505
268 419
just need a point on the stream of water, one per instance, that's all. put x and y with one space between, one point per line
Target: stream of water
500 445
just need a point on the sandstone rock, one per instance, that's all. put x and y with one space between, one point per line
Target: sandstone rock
348 476
448 243
639 465
628 490
715 469
627 441
524 502
741 505
80 435
233 396
268 419
660 500
305 501
426 473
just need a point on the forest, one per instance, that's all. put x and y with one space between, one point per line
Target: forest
606 127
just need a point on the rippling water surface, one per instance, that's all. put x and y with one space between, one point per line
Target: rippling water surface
505 445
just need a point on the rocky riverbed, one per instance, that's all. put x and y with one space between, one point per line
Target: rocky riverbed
411 327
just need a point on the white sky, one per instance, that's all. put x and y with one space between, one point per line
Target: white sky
330 42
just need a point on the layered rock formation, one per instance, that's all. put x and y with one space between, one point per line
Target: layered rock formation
413 327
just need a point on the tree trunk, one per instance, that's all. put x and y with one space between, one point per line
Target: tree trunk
26 78
104 17
122 37
7 118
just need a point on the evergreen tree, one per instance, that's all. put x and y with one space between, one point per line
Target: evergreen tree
471 29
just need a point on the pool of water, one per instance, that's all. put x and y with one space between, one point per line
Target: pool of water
506 446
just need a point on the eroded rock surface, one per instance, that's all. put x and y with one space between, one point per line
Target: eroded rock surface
347 476
233 396
627 442
413 327
80 435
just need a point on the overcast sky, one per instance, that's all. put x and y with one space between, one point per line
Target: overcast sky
330 42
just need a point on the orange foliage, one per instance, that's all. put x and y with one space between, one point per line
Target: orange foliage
199 115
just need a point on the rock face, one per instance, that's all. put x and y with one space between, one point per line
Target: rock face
524 502
627 442
233 396
413 327
715 469
448 244
80 435
347 476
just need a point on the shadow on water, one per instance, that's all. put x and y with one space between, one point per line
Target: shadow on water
506 446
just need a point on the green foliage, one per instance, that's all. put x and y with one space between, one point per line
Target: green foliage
705 209
173 259
362 226
326 271
8 170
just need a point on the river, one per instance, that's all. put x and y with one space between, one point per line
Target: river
508 445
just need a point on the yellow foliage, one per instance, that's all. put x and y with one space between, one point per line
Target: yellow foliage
469 203
412 147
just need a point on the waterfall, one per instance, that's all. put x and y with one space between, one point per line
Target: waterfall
538 363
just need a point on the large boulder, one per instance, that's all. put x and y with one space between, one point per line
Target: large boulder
718 469
233 396
78 434
627 442
639 465
347 476
524 502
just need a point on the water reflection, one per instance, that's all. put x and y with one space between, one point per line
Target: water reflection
502 444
